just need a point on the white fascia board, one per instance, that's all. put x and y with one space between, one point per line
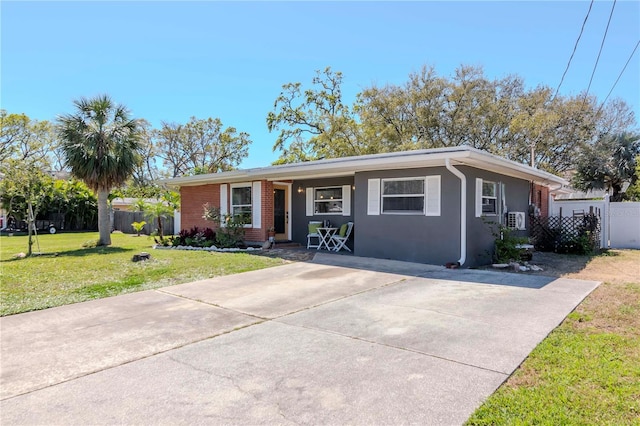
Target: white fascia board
345 166
222 177
348 166
483 160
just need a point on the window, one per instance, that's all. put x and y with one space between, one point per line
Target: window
327 200
489 198
403 195
414 195
241 203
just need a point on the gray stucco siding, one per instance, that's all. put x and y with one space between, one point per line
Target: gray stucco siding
409 237
298 215
415 237
480 241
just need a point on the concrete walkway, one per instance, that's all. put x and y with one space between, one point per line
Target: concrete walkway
338 340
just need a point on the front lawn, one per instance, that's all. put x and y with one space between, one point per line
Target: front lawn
66 272
587 371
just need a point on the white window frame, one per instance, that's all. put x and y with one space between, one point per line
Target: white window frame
231 205
500 197
490 197
317 200
399 212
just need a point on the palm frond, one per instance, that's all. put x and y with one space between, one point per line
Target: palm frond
101 142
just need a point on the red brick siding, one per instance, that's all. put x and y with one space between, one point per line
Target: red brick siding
192 198
540 198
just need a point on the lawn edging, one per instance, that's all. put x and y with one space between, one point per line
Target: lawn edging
212 248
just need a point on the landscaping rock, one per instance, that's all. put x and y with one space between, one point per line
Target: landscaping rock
500 265
210 249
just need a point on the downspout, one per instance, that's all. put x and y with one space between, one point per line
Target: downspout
463 210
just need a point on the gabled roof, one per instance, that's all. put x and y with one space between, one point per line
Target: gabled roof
348 166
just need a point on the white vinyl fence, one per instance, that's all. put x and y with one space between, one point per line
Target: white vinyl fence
620 222
624 225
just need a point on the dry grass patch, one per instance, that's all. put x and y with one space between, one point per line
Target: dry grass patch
613 266
587 371
615 305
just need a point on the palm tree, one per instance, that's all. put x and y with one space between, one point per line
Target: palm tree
101 146
164 208
608 164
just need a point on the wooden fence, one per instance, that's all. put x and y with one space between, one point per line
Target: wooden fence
122 221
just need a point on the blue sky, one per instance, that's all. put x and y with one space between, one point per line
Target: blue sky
173 60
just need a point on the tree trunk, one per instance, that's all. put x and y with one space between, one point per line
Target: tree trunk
30 223
160 231
104 224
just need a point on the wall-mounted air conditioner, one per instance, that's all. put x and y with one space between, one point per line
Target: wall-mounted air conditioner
516 220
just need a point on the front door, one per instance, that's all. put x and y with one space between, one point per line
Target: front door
281 212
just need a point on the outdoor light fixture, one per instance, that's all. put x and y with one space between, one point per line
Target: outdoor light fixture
300 190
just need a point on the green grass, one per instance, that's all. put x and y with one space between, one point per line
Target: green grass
66 272
582 379
587 371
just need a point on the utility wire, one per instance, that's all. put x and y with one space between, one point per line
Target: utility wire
574 49
599 52
620 75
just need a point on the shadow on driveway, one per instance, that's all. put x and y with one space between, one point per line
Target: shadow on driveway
475 276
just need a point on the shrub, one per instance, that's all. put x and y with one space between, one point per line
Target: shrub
232 233
195 237
138 226
506 244
581 244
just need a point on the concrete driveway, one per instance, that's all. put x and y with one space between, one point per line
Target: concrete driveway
340 340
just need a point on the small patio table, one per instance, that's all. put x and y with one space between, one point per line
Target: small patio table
325 237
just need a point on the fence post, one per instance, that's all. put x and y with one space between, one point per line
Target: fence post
605 241
176 222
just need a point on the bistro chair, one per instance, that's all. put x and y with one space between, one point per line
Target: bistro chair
341 238
313 233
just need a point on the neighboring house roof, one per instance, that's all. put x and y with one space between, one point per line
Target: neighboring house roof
59 174
461 155
130 201
579 195
594 194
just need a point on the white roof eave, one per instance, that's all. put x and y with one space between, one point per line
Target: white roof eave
351 165
486 161
348 166
232 176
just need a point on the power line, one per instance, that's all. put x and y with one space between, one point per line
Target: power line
574 49
620 75
600 51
